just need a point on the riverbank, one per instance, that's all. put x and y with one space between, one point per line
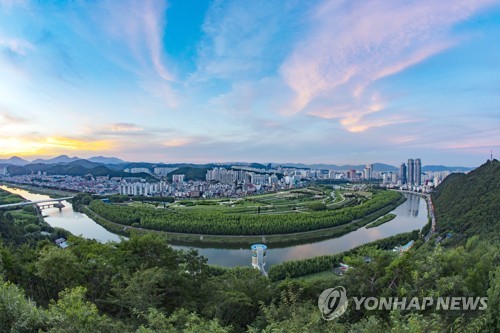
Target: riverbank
382 220
51 192
232 241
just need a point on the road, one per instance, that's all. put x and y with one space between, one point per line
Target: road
26 203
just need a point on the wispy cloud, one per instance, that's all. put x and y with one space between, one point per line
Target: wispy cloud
16 45
316 80
178 142
140 25
353 44
125 127
7 118
244 38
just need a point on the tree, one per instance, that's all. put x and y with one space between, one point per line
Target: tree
493 322
58 269
236 296
17 314
71 313
149 250
145 290
180 321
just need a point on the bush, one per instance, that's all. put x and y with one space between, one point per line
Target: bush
317 206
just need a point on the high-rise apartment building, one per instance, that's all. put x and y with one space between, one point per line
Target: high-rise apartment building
368 172
402 173
178 178
417 177
410 172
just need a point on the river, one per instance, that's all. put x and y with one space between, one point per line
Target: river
410 215
76 223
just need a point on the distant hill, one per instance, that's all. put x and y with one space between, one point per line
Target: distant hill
257 166
58 159
84 163
14 160
120 165
468 203
62 159
75 168
191 173
137 165
117 164
105 160
434 168
376 166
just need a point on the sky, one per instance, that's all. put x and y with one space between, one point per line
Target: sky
259 81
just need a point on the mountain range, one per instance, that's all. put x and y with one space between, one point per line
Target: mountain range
14 160
381 167
119 165
376 166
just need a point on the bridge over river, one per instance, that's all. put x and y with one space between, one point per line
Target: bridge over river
56 202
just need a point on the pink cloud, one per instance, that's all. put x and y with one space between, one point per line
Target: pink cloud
351 45
124 127
16 45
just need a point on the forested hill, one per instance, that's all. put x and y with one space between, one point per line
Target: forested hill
467 204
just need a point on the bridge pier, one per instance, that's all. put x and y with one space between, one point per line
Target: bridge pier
59 205
49 205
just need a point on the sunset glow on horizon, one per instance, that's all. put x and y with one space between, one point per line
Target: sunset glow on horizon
265 81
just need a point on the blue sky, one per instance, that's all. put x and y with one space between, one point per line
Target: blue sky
294 81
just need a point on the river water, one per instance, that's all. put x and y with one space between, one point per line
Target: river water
410 215
76 223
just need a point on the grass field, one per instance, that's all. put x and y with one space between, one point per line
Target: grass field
9 198
298 201
203 221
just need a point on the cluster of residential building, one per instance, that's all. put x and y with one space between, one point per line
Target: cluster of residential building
160 170
234 181
88 184
231 176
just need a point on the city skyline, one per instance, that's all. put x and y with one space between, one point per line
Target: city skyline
105 160
175 81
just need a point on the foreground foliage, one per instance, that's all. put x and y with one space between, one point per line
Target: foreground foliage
143 285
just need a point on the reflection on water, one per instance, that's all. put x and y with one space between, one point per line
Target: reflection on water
414 201
74 222
410 215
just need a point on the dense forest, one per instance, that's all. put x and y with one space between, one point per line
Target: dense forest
143 285
218 223
468 204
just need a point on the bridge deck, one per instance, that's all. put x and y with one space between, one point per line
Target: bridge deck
25 203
